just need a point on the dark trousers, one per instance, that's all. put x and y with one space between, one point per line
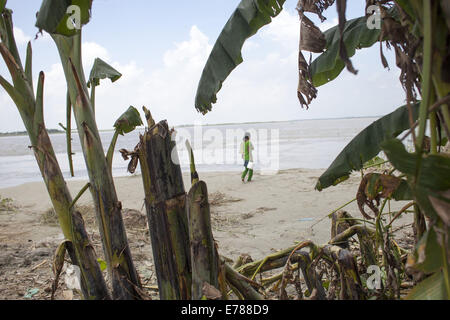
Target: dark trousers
249 171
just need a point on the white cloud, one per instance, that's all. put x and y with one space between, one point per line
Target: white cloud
284 29
21 37
324 26
192 52
263 88
91 51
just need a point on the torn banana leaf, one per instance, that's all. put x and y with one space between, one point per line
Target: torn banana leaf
366 145
128 121
64 17
328 66
226 54
102 70
428 179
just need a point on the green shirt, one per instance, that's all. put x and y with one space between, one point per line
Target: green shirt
247 150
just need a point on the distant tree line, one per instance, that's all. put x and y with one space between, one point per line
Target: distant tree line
23 133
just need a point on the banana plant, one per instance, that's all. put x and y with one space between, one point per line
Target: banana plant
126 123
365 146
418 32
246 20
65 27
101 70
31 107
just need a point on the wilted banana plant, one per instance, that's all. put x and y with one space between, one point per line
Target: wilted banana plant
418 32
66 33
31 109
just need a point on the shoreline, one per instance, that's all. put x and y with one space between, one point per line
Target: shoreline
58 131
269 214
70 180
273 210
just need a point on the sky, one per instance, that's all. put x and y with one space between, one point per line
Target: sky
161 47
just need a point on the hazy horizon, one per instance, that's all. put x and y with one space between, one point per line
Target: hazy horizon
59 130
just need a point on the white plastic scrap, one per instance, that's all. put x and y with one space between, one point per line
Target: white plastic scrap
72 278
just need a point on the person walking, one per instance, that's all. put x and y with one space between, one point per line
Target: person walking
246 152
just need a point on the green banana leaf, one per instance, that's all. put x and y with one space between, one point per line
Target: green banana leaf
329 65
431 181
435 169
226 54
102 70
430 252
366 145
58 16
2 5
406 6
128 121
428 177
432 288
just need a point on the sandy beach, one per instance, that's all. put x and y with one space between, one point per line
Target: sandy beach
268 214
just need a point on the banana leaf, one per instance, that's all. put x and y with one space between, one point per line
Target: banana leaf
432 288
64 17
2 5
102 70
429 252
428 178
226 54
328 66
366 145
434 172
128 121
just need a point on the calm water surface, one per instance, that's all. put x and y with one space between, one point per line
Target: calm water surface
309 144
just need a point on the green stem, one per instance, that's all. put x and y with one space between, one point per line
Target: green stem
330 214
93 98
445 267
30 108
446 114
359 220
426 75
441 92
69 133
376 165
341 207
259 268
380 230
433 133
124 279
194 174
79 195
112 146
